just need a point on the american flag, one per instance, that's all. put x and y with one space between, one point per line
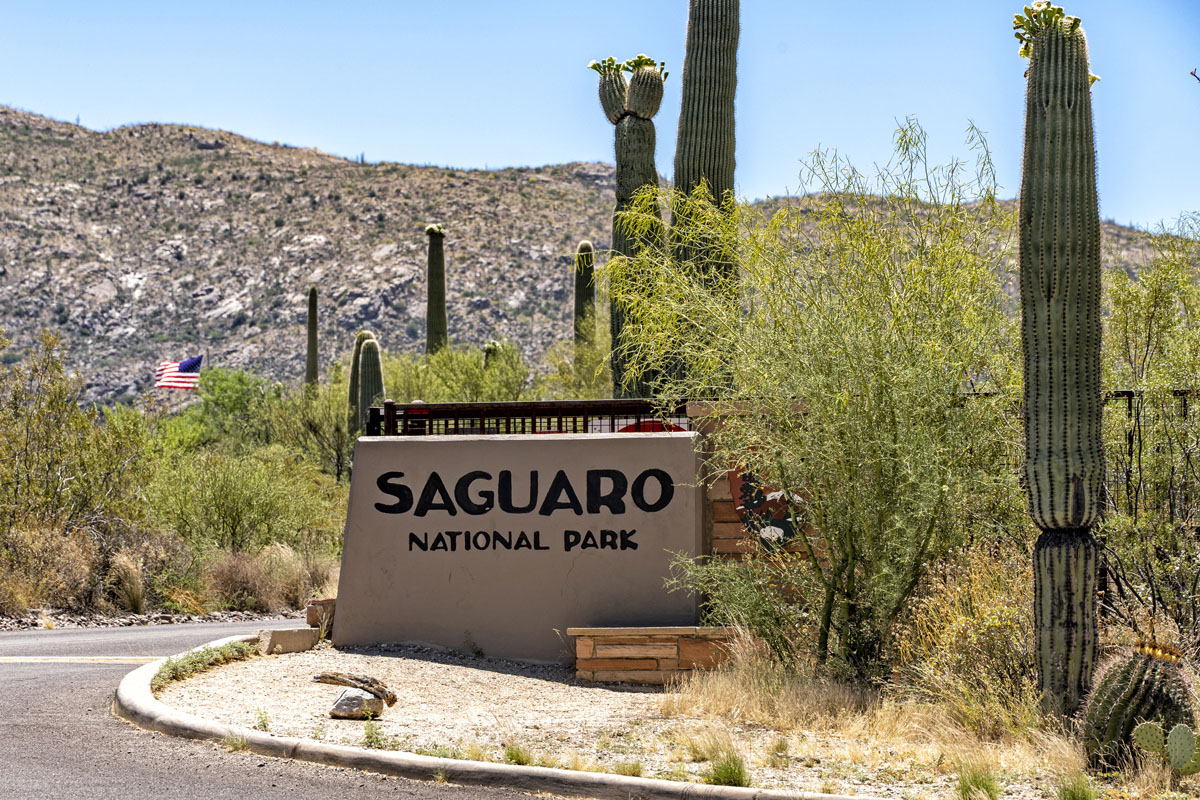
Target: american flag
178 374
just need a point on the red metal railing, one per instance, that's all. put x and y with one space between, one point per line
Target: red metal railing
567 416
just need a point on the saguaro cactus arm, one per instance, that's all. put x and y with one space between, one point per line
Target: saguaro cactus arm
585 293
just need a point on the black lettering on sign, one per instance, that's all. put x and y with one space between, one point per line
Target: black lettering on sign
439 543
559 486
613 500
608 540
537 541
402 493
570 540
523 542
506 489
666 490
422 542
627 542
435 489
462 494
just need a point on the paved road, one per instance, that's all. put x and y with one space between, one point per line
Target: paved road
59 739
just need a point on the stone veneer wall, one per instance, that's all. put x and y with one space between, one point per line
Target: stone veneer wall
647 655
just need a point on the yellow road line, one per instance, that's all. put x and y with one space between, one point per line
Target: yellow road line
77 659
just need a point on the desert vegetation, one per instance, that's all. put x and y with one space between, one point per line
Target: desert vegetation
941 583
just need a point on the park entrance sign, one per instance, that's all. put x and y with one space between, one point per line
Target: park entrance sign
500 543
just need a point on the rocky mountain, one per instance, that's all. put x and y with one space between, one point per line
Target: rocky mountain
153 242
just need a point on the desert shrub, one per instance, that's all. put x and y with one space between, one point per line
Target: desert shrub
44 566
273 579
965 644
68 467
750 594
845 341
215 499
1152 439
577 371
494 373
230 412
314 422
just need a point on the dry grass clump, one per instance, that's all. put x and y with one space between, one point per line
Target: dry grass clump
40 566
755 689
125 584
965 646
275 578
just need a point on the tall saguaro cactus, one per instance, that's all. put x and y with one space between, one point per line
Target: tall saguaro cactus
585 293
704 145
310 364
435 307
1060 337
359 338
370 379
630 106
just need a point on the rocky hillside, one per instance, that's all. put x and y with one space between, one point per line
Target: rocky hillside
152 242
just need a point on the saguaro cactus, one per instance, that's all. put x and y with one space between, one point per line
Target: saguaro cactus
310 364
370 379
359 338
585 293
1060 337
634 143
704 144
435 307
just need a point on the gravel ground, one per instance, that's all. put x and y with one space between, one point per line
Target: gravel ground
55 618
467 707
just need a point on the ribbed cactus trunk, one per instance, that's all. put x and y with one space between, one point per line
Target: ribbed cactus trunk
352 400
310 363
634 143
435 308
704 144
370 379
1060 336
585 294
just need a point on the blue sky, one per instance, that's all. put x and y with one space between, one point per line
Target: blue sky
474 83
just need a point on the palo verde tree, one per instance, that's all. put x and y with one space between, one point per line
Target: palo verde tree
1059 257
863 313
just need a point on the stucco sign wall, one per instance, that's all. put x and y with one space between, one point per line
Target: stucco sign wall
500 543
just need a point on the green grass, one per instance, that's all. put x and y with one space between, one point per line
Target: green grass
728 769
375 739
1076 786
631 768
197 661
976 782
516 754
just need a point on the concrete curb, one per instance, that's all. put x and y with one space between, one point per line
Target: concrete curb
136 703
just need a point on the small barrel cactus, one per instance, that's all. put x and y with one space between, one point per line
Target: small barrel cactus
359 338
370 379
1147 683
585 293
435 306
310 363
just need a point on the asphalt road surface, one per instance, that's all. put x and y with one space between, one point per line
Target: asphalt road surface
59 739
